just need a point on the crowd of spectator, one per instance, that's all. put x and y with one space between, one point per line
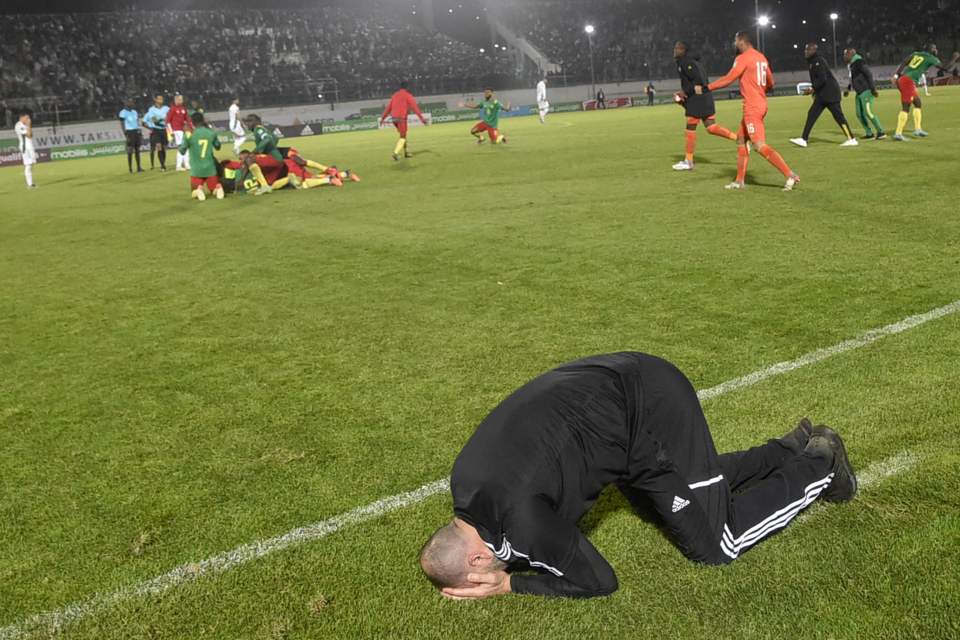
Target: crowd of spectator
92 61
633 39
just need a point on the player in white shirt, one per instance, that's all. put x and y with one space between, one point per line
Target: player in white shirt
542 105
236 126
24 129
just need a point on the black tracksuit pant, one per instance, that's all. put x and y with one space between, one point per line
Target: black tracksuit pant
713 506
814 113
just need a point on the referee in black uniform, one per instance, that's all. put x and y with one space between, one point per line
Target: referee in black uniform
826 95
539 461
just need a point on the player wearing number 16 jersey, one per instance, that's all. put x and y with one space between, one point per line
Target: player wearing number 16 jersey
753 71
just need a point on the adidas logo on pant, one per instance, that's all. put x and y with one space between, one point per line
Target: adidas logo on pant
679 503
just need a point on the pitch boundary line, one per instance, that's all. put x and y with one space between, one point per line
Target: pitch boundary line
55 620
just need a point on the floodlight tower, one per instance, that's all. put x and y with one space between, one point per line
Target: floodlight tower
833 20
762 21
589 30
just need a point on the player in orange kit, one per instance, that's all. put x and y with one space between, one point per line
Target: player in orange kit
756 79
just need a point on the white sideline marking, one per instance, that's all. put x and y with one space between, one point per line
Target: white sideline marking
53 621
828 352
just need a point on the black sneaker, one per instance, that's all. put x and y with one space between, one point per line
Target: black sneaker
827 442
797 439
868 136
881 136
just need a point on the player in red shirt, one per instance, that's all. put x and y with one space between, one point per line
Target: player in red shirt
401 104
756 79
178 121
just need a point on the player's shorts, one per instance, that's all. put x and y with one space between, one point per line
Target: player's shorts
751 126
401 125
908 89
134 138
543 106
178 138
212 183
483 126
273 169
29 157
700 106
296 169
158 137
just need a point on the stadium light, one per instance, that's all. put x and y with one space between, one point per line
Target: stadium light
833 21
593 76
763 21
482 50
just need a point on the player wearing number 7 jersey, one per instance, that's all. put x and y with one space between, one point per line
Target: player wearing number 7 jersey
200 145
753 71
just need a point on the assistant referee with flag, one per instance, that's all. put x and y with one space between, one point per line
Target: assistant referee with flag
539 461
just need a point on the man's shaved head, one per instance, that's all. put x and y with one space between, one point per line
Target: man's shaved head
445 557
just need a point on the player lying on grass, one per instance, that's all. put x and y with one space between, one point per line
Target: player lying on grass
199 145
905 79
490 122
696 100
247 175
755 77
865 89
539 461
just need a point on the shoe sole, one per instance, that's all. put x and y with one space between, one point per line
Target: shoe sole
840 461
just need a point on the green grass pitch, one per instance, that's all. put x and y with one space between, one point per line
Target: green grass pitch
179 378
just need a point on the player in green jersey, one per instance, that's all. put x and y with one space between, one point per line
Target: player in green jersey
200 145
491 108
906 78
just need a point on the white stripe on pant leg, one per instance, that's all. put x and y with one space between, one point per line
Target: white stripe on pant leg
733 546
706 483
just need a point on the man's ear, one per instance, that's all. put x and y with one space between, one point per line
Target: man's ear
480 558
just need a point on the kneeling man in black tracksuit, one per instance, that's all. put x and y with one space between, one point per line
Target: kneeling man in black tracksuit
539 461
826 95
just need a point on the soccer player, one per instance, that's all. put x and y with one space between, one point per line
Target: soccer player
696 100
865 89
236 126
543 107
491 108
756 78
130 125
200 143
401 104
539 460
177 122
267 154
826 95
906 78
156 122
28 153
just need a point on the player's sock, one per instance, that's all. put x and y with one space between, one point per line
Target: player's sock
776 160
901 122
743 159
398 148
130 161
691 145
316 165
139 168
28 174
917 118
723 132
280 183
153 153
310 183
162 154
258 174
